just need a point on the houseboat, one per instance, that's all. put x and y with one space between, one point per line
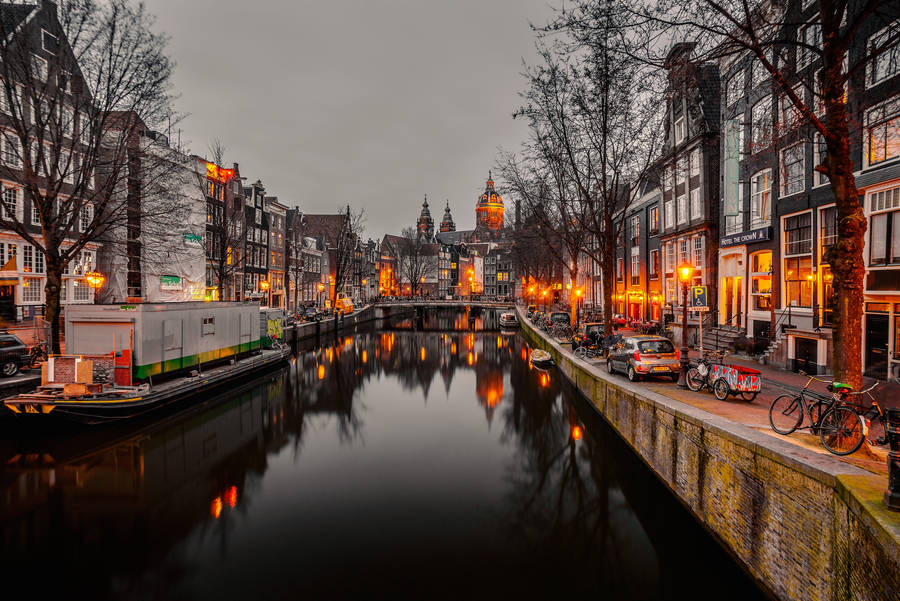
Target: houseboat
125 360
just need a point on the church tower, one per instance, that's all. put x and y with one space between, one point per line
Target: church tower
425 224
489 209
447 224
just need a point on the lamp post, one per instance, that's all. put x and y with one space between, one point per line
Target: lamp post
320 287
685 273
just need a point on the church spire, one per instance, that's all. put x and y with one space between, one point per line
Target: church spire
447 224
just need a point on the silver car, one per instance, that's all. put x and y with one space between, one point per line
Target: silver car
640 356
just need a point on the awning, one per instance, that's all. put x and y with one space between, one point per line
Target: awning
9 282
10 265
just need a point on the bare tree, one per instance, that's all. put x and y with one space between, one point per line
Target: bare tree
78 100
594 117
416 258
225 222
342 247
810 66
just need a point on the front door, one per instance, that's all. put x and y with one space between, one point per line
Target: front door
876 346
7 302
805 355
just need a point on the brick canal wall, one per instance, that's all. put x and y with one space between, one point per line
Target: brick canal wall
806 526
303 331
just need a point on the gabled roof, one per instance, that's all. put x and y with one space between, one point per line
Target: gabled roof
328 226
14 15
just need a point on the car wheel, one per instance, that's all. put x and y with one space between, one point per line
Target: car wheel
10 368
632 376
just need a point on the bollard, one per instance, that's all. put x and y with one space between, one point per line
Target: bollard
892 496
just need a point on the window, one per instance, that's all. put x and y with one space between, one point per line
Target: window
761 124
682 208
38 261
87 215
32 291
887 63
696 207
882 132
761 281
654 219
734 87
827 227
679 130
695 162
209 326
758 72
760 195
788 115
798 282
258 216
653 269
35 214
620 267
670 213
12 156
38 68
798 234
698 252
670 257
64 81
11 203
68 121
884 227
792 170
636 230
635 268
808 35
27 258
819 149
682 251
49 42
81 290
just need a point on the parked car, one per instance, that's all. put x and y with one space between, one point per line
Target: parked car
13 354
312 314
588 333
560 317
640 356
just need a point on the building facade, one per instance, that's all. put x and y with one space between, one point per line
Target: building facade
256 243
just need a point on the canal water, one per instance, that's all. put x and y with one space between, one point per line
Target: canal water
421 458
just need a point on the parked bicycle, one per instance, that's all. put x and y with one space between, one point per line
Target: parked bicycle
873 412
839 427
37 354
699 376
588 351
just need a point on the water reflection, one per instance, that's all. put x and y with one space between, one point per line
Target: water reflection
406 462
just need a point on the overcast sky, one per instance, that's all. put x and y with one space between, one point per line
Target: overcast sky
371 102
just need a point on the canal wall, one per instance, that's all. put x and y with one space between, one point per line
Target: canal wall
805 526
311 329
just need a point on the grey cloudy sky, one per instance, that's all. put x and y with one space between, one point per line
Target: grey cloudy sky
371 102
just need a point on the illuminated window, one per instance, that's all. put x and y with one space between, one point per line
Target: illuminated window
32 290
883 132
884 227
761 280
653 270
797 284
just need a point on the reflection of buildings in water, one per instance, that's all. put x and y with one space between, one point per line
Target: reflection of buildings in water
489 388
157 483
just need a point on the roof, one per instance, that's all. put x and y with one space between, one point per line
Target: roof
328 226
13 15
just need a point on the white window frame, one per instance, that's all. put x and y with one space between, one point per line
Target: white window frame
41 65
680 130
698 251
695 162
761 199
32 291
696 204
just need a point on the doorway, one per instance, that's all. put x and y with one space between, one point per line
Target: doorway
805 355
876 353
8 300
733 302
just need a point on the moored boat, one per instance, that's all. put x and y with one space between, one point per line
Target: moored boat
127 360
541 359
509 320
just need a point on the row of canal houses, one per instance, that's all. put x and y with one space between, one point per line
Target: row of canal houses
222 229
736 194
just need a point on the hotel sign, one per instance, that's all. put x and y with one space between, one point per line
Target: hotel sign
748 237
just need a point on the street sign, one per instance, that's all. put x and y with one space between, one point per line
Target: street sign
698 299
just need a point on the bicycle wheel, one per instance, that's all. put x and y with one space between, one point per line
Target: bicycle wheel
749 396
694 380
721 389
786 414
581 352
842 430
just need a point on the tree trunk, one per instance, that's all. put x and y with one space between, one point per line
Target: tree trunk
609 289
846 257
52 312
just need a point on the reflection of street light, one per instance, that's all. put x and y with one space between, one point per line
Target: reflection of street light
685 273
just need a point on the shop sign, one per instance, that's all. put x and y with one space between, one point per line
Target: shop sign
748 237
169 282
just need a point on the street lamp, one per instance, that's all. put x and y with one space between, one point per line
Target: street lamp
685 274
321 288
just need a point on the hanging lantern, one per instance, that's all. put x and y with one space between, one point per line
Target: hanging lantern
95 279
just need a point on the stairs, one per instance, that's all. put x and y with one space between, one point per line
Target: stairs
773 348
727 337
